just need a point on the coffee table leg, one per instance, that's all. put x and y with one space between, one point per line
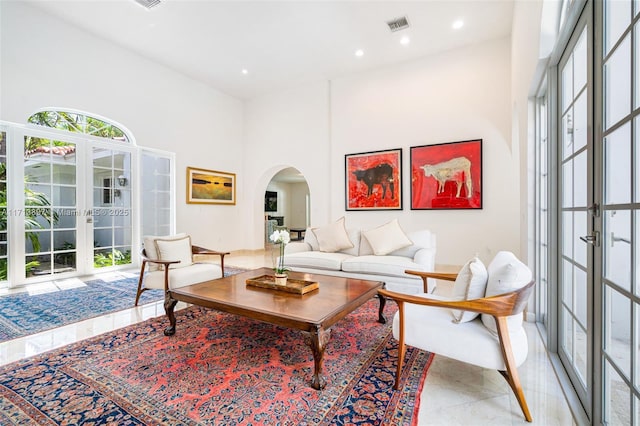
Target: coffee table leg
169 304
318 339
383 301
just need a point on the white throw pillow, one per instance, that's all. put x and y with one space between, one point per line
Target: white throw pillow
471 283
333 237
151 251
175 250
387 238
506 273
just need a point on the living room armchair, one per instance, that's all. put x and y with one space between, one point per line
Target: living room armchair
168 263
482 327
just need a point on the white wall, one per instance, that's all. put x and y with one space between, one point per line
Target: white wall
525 50
287 129
458 95
45 62
298 205
454 96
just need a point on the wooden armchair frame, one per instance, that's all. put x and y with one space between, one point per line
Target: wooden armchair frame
165 264
499 307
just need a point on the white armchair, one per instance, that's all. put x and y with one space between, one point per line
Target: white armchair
168 263
480 325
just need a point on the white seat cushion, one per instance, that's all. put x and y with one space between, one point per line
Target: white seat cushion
393 266
316 259
195 273
433 330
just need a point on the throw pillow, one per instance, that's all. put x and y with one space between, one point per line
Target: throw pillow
151 251
333 237
506 273
470 284
175 250
387 238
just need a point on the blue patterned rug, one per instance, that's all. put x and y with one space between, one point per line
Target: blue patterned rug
23 314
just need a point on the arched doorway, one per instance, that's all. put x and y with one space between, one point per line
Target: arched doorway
287 203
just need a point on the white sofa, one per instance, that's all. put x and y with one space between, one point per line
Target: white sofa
360 261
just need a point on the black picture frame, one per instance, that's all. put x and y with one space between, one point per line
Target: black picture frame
373 180
447 176
270 201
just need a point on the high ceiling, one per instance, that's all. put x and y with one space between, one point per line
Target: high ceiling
282 43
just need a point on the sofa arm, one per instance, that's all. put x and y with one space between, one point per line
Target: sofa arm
426 257
296 247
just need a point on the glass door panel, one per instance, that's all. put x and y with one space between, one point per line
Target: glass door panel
542 210
617 85
574 220
50 192
620 207
156 193
112 202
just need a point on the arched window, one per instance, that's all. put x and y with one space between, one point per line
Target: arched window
79 122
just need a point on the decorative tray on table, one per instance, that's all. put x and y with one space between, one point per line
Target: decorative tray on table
293 285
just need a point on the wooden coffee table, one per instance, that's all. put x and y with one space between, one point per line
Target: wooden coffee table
314 312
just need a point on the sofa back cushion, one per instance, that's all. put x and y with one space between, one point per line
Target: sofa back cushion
310 238
354 237
506 273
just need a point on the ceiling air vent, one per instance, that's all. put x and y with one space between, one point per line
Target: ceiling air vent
148 4
398 24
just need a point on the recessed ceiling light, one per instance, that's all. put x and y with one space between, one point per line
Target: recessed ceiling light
458 24
405 40
148 4
359 53
245 71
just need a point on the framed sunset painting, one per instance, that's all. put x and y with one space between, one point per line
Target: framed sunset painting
373 180
210 187
447 176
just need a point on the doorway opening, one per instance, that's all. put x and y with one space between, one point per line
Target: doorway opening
287 204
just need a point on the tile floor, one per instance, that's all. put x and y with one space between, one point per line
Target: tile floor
454 393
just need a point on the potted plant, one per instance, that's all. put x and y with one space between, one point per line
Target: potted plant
281 238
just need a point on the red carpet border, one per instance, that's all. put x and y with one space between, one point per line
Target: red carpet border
219 369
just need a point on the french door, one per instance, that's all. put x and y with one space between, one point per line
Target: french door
598 214
619 280
111 212
68 204
575 216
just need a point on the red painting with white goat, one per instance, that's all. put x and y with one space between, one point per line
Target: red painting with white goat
373 180
447 176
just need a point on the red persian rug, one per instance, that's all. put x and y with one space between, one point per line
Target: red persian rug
217 369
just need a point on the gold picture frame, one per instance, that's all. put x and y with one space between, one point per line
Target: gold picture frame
210 187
